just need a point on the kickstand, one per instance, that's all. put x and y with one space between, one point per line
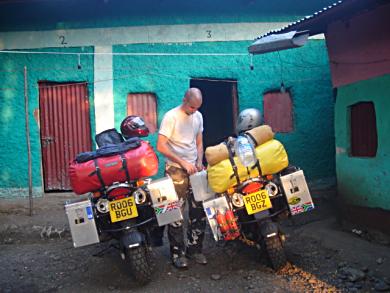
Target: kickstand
104 250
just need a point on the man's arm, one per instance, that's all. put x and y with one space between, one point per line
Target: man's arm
199 148
164 148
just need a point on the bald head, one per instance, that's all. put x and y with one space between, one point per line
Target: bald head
194 94
192 100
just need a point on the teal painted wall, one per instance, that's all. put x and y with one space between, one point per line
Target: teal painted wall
305 71
13 146
364 181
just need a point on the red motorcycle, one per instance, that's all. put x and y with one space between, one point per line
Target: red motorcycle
119 205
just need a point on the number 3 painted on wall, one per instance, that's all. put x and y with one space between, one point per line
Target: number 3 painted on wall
208 34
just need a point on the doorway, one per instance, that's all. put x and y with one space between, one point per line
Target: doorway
65 130
219 108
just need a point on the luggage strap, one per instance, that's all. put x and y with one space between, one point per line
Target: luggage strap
234 166
247 134
257 164
98 173
124 167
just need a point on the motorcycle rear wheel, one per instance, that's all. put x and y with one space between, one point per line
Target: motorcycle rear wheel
140 264
275 251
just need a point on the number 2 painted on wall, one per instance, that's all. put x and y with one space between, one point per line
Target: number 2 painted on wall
62 39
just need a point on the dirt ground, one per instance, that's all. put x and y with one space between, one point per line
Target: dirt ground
36 255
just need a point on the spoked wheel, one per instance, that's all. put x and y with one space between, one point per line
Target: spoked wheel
275 251
139 260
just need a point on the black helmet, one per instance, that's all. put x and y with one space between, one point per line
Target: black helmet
248 119
134 126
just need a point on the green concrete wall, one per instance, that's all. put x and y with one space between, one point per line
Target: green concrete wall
304 71
13 146
364 181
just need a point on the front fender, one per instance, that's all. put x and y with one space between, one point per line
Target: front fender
269 229
129 239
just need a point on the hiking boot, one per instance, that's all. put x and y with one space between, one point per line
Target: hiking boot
180 262
200 258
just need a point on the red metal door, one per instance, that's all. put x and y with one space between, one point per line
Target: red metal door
65 130
278 111
145 106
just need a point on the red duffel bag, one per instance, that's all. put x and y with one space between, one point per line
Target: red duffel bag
94 174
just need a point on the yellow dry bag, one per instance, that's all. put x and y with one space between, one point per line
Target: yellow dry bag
271 155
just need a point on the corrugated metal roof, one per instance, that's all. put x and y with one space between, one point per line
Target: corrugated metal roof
292 25
317 22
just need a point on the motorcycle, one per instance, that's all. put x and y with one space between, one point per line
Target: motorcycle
252 191
119 205
252 214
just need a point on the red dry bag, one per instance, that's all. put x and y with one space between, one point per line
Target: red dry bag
95 174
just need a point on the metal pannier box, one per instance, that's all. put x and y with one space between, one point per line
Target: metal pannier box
166 204
297 192
210 208
81 222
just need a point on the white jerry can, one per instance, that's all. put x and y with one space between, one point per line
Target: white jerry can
200 186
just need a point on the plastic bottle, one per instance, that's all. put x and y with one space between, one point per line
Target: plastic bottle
245 151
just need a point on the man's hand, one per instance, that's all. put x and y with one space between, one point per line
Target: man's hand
163 147
199 166
190 168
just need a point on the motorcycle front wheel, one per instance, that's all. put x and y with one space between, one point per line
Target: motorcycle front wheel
140 264
275 252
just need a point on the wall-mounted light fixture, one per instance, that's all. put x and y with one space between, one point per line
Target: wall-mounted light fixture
277 42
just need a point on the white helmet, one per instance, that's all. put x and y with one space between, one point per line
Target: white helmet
248 119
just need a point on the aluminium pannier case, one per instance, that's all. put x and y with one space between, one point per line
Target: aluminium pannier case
132 164
166 203
81 222
297 192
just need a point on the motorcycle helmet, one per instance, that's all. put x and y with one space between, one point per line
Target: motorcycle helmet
248 119
134 126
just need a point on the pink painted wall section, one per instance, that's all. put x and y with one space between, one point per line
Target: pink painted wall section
359 49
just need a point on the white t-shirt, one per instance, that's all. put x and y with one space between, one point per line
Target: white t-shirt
181 130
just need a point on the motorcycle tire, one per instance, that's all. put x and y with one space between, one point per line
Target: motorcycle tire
140 264
275 251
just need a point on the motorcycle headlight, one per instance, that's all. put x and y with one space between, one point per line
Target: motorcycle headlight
102 205
140 196
272 189
237 200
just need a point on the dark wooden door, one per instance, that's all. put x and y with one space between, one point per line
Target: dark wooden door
219 109
64 129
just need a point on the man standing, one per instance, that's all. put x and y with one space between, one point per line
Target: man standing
180 141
